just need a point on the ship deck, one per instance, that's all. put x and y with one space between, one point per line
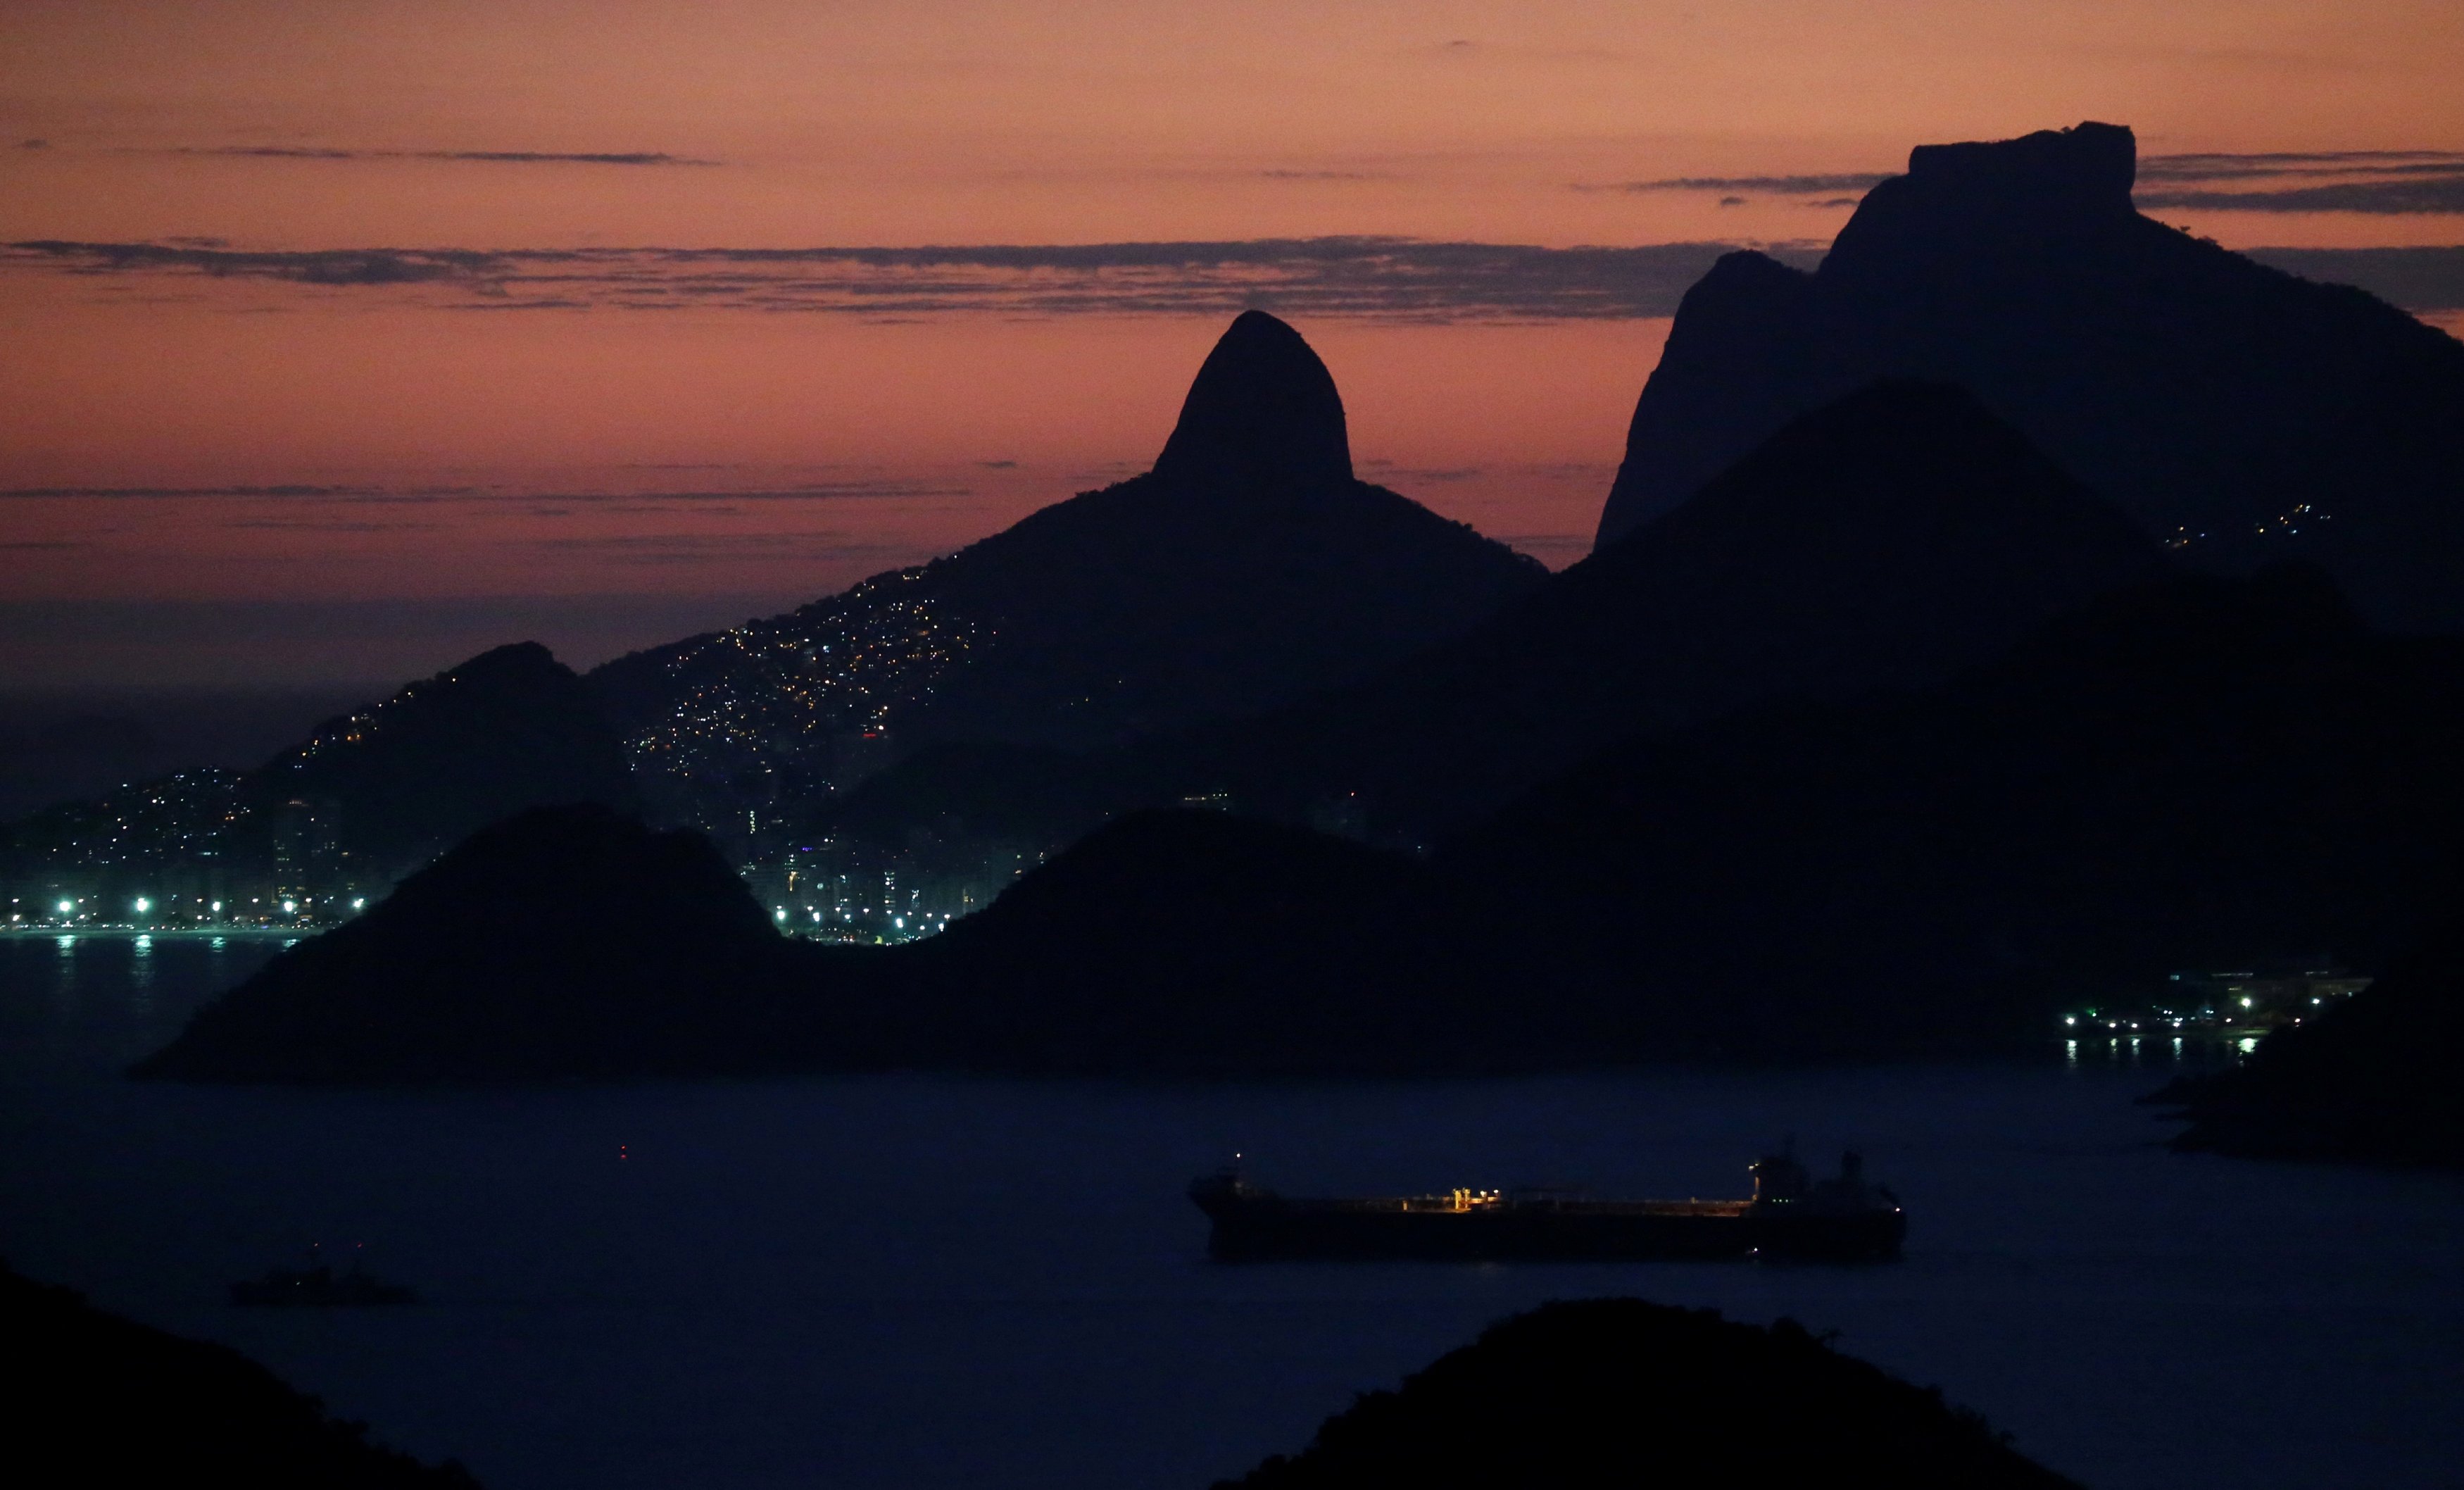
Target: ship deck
1445 1205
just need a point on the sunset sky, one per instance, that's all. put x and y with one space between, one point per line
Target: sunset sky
340 339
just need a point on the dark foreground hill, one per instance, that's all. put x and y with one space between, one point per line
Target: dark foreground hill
1247 568
2247 415
2372 1080
106 1401
1890 538
1620 1393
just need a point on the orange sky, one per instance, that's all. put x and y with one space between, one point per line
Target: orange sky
510 454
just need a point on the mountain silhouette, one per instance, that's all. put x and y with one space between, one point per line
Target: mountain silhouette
2204 772
403 779
1887 540
1245 569
366 797
2196 772
1262 413
2237 412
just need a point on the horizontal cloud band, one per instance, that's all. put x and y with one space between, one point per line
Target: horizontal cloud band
2415 195
303 152
2378 182
1401 278
1356 277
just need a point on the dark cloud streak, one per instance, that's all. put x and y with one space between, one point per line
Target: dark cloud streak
302 152
2395 181
2220 166
2428 194
317 266
2417 279
1778 185
1329 276
1361 278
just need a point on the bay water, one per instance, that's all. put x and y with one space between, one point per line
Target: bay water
923 1281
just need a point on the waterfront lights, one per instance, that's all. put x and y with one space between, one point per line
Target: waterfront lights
143 905
780 914
2070 1018
360 903
218 907
291 907
67 906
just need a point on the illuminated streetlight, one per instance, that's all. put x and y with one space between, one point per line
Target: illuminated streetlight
360 903
290 907
143 905
67 906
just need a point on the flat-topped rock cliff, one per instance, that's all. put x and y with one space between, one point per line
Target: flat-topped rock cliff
2240 414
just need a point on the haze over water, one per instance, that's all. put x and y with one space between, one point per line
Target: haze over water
934 1282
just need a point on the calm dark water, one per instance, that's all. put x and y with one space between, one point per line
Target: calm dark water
919 1281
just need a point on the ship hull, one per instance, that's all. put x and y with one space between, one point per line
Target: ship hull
1259 1228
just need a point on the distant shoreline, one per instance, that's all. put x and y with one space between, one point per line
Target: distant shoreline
183 933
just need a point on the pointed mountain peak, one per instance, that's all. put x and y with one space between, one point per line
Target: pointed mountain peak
1263 410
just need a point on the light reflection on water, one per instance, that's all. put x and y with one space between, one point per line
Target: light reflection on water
907 1281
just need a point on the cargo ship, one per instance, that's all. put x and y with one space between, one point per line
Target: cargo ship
1788 1217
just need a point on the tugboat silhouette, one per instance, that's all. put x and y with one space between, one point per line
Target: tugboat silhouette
318 1287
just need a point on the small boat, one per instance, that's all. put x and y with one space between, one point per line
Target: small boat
318 1287
1788 1217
